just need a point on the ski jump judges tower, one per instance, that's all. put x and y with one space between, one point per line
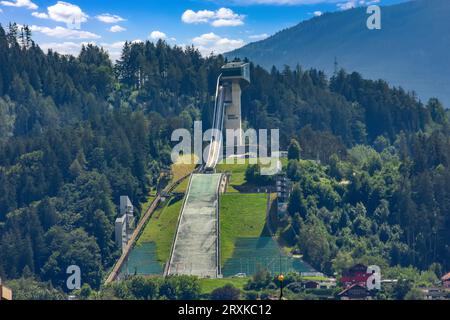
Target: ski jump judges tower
233 75
227 108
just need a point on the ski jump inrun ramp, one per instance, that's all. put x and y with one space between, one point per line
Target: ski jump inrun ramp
195 250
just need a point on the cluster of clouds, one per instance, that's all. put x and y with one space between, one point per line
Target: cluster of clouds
112 19
211 43
222 17
70 14
63 12
350 4
20 3
64 33
73 16
73 38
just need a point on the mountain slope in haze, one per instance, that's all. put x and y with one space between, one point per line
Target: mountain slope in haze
411 50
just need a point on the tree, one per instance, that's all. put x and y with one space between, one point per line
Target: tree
73 248
31 289
227 292
313 243
180 288
47 213
294 150
260 280
342 261
85 291
143 288
402 288
415 294
296 202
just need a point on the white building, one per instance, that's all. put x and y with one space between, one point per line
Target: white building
124 225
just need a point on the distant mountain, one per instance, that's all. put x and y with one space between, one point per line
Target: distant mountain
411 50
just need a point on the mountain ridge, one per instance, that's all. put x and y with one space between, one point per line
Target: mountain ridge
409 50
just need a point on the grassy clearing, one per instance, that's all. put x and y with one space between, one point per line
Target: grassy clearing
241 216
237 175
182 187
208 285
161 228
237 171
314 278
185 165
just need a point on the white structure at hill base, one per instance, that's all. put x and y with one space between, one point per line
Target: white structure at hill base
124 225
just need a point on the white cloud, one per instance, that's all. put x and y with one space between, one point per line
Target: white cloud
317 13
40 15
258 36
60 32
347 5
68 13
117 28
202 16
20 3
223 17
109 18
211 43
227 23
350 4
156 35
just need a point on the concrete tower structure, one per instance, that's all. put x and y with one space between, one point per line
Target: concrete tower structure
124 224
233 75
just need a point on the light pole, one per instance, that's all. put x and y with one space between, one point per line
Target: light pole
281 278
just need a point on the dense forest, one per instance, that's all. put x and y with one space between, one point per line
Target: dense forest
78 132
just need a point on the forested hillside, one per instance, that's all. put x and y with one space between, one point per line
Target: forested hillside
78 132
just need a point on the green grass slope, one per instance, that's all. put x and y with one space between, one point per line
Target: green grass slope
241 216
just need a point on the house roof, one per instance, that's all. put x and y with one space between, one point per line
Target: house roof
355 285
446 277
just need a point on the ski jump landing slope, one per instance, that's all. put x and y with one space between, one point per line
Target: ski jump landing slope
195 248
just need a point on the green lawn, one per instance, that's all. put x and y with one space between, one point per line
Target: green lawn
161 228
241 216
208 285
237 175
182 187
237 171
184 166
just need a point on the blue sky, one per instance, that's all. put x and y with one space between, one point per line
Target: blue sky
211 25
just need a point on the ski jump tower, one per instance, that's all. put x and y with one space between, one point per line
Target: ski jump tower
233 75
227 108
